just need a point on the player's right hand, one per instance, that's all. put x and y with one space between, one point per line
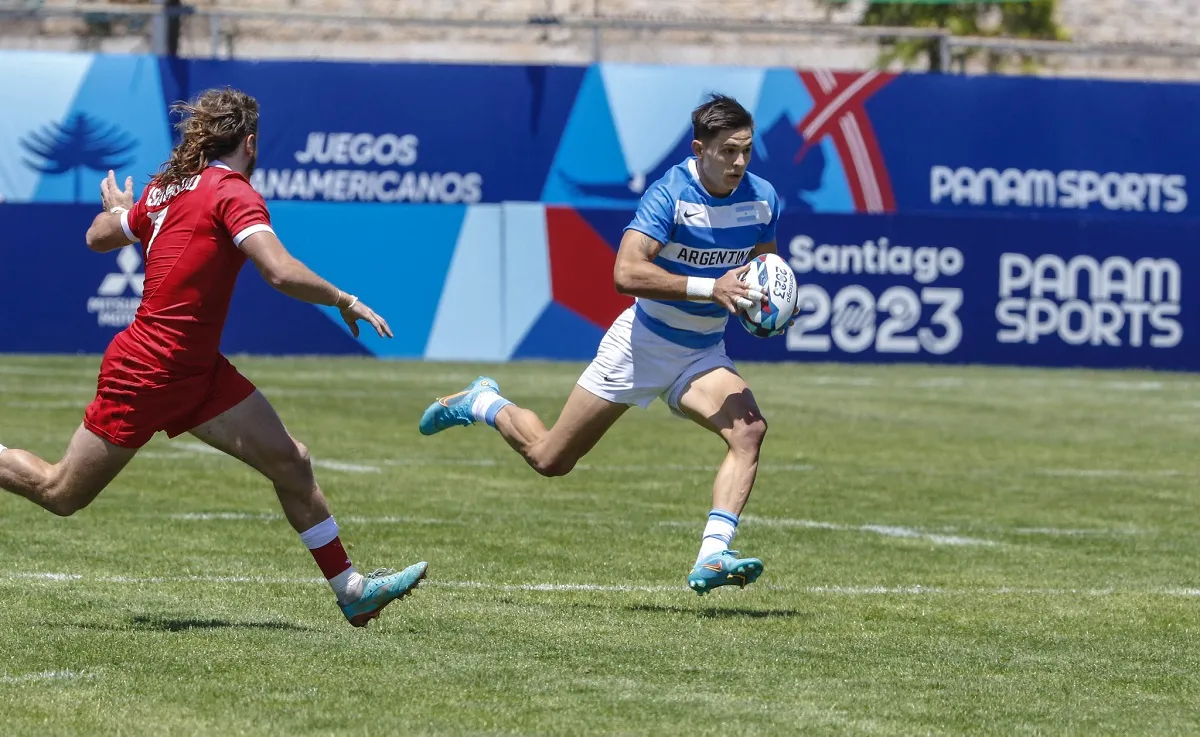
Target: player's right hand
734 294
358 310
112 196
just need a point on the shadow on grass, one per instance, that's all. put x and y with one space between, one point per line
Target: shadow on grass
717 613
162 624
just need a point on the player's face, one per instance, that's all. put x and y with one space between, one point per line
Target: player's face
723 160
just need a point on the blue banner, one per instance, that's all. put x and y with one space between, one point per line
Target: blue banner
988 290
411 133
59 297
1050 146
928 217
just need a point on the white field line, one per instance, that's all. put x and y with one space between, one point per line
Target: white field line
885 530
1069 532
317 462
275 517
85 391
51 404
166 455
373 465
50 675
910 590
1093 473
942 537
19 370
227 516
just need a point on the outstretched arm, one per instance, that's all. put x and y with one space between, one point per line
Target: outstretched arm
637 275
289 275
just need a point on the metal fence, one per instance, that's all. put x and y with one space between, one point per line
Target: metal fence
947 52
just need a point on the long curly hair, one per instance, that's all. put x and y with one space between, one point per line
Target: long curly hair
212 125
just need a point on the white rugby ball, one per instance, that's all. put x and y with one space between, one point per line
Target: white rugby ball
772 276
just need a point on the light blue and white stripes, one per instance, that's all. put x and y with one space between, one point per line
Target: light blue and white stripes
702 236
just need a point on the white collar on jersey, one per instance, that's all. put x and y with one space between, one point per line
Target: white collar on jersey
692 170
221 165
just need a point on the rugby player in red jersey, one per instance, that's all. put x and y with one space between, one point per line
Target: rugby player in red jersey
198 221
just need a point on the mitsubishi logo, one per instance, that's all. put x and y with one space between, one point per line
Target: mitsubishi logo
114 285
113 305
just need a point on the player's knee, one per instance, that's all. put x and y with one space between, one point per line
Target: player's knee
747 437
292 464
299 461
61 500
301 458
551 465
63 506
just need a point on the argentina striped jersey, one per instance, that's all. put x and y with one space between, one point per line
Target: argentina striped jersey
701 235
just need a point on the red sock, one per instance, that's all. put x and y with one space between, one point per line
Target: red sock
326 547
331 558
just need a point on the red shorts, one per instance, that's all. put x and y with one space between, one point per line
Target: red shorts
132 403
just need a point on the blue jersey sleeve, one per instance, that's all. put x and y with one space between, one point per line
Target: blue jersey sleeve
655 214
768 233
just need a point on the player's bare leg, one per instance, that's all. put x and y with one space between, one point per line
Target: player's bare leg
89 464
721 402
584 419
252 432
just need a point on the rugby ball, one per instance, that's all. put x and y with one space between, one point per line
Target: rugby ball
774 278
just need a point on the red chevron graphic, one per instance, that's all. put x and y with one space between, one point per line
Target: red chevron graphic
838 111
581 267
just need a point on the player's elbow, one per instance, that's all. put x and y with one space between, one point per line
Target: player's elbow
100 243
277 279
278 274
623 277
103 235
94 239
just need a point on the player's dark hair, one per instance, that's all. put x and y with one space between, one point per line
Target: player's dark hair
212 125
719 113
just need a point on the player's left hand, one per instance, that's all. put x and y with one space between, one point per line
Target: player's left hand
357 310
111 196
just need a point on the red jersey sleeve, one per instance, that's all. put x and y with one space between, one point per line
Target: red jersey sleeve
241 210
134 221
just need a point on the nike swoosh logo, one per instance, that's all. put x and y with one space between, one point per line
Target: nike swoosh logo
443 400
712 567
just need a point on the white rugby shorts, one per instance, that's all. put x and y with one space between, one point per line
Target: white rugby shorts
636 366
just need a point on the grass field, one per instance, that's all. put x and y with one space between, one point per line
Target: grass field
948 551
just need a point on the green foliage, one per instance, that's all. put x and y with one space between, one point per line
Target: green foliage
1025 20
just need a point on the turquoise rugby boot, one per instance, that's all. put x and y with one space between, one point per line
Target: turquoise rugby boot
455 409
382 587
722 569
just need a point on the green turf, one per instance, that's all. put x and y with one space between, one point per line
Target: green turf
948 551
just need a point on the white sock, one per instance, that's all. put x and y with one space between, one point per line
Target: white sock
485 402
347 585
718 533
2 448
